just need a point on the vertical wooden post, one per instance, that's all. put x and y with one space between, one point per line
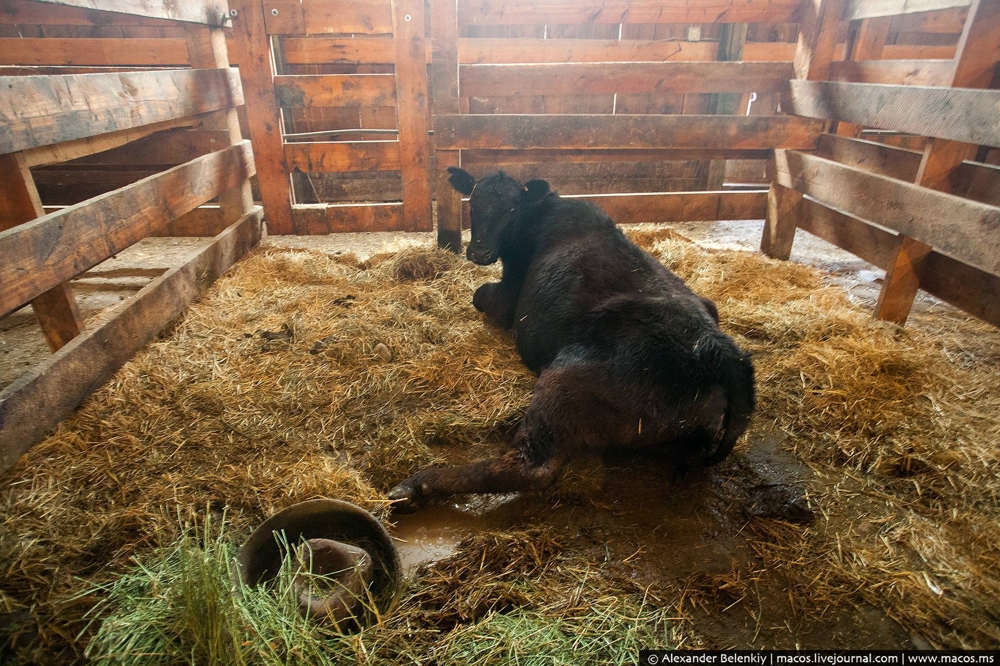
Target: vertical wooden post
732 39
253 53
444 79
975 61
814 53
207 50
867 44
412 112
56 309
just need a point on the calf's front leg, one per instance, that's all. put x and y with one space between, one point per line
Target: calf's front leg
507 474
496 301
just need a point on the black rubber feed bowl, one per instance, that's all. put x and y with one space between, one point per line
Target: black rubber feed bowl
260 557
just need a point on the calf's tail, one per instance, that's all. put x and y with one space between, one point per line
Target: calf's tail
733 371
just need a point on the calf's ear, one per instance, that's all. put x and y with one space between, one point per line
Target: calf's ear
461 180
535 191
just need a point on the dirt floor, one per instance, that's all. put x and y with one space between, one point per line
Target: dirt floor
798 540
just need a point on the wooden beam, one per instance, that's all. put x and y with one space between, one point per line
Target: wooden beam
779 222
576 12
412 112
208 12
37 401
134 51
39 12
959 114
310 219
634 77
335 90
207 47
816 44
861 9
679 206
251 46
693 132
901 72
874 157
901 283
56 308
445 94
525 50
971 234
970 289
352 49
52 249
42 110
945 21
329 156
317 17
493 159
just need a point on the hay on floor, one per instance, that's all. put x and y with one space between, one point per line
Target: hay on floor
305 375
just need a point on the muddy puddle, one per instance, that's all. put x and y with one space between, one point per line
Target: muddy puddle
640 522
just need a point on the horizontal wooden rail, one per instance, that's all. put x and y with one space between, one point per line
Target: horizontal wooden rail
862 9
316 17
360 49
47 251
36 402
872 156
42 110
336 90
313 219
960 114
485 159
624 77
120 52
901 72
680 206
327 156
966 287
972 232
519 132
520 12
520 50
208 12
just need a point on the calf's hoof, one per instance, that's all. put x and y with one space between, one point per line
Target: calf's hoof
407 497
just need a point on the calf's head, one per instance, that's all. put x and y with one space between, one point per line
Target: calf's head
497 203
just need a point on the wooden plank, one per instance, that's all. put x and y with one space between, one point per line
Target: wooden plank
901 283
335 90
954 282
56 308
445 94
42 110
871 156
917 52
311 219
52 249
816 43
348 49
136 51
780 221
208 12
207 47
251 45
679 206
576 12
901 72
522 50
111 143
958 114
861 9
945 21
327 156
39 12
37 401
317 17
519 132
203 222
979 182
633 77
492 159
413 112
909 209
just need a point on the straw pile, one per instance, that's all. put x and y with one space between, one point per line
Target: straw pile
305 375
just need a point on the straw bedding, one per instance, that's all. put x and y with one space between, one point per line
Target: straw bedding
303 374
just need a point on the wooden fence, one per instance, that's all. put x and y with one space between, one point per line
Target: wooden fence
48 118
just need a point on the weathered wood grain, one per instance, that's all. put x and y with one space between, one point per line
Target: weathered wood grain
860 9
335 90
622 77
208 12
519 132
42 110
900 72
37 401
52 249
971 235
519 12
327 156
958 114
871 156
